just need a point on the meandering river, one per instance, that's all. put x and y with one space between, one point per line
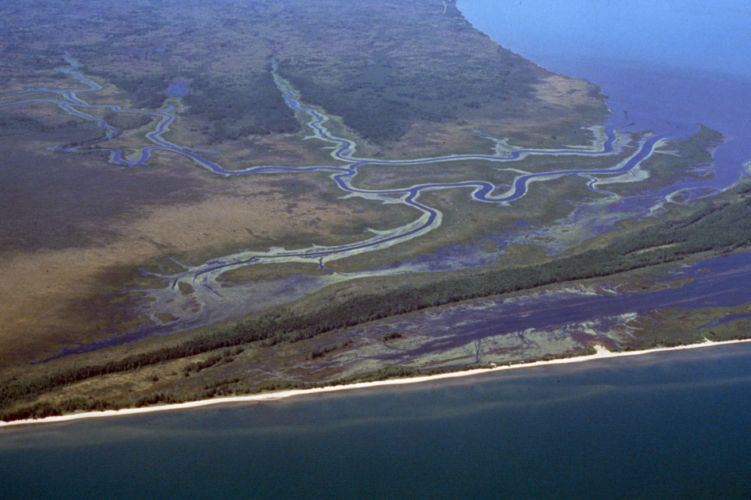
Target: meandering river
660 426
209 301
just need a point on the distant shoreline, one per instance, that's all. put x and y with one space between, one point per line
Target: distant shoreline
601 353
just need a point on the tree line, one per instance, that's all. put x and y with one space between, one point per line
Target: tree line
720 225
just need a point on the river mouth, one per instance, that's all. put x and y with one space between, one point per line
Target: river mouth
643 96
562 204
195 296
665 80
656 426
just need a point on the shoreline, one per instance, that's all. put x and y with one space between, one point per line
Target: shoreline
601 353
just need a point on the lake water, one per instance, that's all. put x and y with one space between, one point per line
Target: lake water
667 425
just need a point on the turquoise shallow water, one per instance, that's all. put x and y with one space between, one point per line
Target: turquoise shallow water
664 425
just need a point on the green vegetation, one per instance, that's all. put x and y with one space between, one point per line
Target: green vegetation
56 200
392 336
388 79
146 92
686 158
381 67
719 225
235 111
384 96
185 288
319 353
18 124
43 410
225 356
268 272
126 121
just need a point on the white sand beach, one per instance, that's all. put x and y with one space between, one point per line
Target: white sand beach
601 353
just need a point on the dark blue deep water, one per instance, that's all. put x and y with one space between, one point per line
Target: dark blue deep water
670 425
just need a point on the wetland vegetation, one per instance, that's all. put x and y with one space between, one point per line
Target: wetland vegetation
317 188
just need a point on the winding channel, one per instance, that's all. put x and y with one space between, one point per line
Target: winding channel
204 276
